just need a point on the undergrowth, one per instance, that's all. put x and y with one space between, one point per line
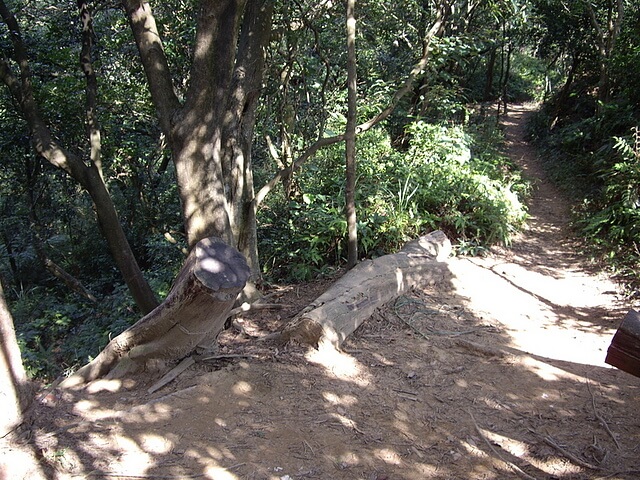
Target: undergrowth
451 177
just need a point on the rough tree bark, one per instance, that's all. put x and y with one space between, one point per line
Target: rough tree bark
350 138
192 316
210 132
238 129
338 312
15 389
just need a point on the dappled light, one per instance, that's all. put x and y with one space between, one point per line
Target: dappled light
548 372
543 282
467 337
399 404
339 364
530 318
494 371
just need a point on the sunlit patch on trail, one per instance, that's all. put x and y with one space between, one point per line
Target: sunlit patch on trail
339 364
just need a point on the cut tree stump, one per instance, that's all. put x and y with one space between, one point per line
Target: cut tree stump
624 351
338 312
192 315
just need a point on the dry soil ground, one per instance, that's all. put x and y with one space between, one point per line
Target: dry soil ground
497 372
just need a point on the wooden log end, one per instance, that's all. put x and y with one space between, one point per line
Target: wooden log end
304 331
220 266
434 244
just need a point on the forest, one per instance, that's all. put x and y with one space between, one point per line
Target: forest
130 131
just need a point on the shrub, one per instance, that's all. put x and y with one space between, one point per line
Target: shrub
451 177
611 221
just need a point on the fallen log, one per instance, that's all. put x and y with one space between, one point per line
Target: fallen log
338 312
192 315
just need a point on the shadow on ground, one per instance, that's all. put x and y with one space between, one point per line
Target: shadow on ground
425 389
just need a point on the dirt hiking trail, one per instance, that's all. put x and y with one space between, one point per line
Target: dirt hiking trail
496 372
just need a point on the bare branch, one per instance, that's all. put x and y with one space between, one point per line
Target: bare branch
89 178
308 153
418 68
596 25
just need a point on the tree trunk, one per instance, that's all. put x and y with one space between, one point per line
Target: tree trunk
338 312
119 246
13 265
210 134
606 38
563 96
505 81
196 134
15 390
239 126
488 85
192 316
435 30
350 139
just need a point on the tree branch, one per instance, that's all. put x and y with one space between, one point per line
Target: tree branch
436 29
89 178
22 92
60 273
418 68
308 153
596 25
154 61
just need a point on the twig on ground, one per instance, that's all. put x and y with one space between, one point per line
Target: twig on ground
451 333
310 447
601 419
175 371
405 392
252 307
409 322
97 473
227 355
412 327
549 441
187 362
509 464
